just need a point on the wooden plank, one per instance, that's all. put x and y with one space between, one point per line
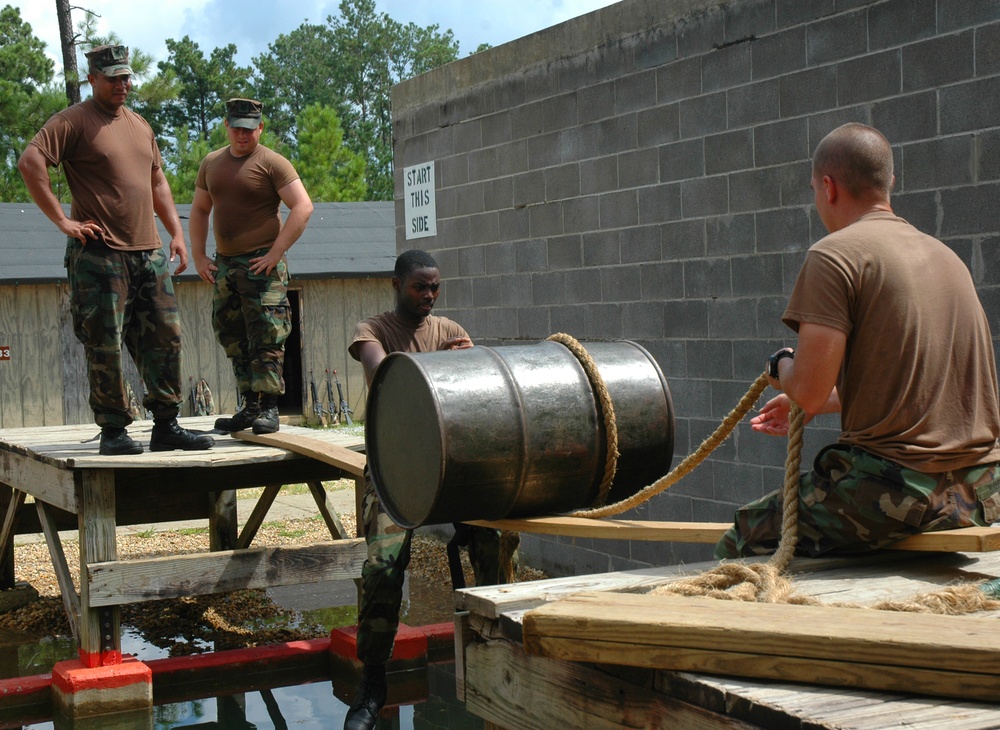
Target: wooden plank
11 372
9 520
100 628
510 689
70 598
132 581
256 518
350 461
48 301
327 511
664 623
965 539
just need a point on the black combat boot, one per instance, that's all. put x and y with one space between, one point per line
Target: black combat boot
267 419
244 417
168 435
363 713
115 441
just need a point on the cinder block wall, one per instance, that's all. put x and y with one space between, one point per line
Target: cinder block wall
642 172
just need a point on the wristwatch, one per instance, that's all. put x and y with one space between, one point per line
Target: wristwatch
772 362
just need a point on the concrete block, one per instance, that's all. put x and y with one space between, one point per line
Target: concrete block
683 239
529 188
482 164
685 318
498 194
659 203
958 14
469 199
568 319
562 182
638 168
618 209
794 181
583 286
728 66
635 91
499 258
527 120
642 320
544 150
939 162
565 252
939 61
513 224
559 112
484 227
705 196
604 321
970 106
754 103
79 691
533 323
529 257
793 12
580 214
496 128
759 275
781 142
898 22
602 248
515 290
729 235
639 244
920 209
728 151
658 125
969 210
486 291
548 287
545 219
512 158
678 80
779 53
596 102
988 155
711 358
906 118
702 33
988 49
662 280
751 18
757 189
808 91
844 35
703 115
707 278
599 175
658 48
731 318
876 76
786 229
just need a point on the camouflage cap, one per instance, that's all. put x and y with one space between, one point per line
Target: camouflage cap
109 60
244 113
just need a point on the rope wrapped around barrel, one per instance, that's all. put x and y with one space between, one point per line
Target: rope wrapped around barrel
758 582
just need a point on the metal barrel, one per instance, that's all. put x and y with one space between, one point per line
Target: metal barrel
512 431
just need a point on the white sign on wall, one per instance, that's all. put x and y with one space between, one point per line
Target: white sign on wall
419 207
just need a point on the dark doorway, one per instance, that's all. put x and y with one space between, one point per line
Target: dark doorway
291 402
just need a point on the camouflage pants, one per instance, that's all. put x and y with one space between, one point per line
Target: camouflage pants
125 297
384 571
252 320
853 501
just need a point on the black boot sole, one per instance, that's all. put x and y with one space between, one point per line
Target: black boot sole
177 447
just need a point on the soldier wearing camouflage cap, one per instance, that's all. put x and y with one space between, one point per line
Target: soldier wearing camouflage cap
242 186
120 287
891 335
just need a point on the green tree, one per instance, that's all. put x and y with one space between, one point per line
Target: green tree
296 71
373 53
330 171
203 84
27 96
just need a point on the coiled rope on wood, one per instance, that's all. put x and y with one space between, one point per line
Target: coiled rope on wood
736 580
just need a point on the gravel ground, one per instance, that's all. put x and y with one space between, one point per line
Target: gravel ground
241 619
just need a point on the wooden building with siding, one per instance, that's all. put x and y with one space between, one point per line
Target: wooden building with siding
341 271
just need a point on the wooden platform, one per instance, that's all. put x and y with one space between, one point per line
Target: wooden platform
74 487
515 689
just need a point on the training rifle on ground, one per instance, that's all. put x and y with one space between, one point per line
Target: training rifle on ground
317 405
345 410
331 404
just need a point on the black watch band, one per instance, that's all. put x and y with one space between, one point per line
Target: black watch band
772 362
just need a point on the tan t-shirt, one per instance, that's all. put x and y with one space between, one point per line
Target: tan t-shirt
397 335
919 382
109 160
245 202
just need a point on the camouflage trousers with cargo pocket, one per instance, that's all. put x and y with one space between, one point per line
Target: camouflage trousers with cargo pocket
125 297
384 571
252 319
853 502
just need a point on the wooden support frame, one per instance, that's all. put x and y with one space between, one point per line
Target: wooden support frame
100 628
7 534
112 583
963 539
70 598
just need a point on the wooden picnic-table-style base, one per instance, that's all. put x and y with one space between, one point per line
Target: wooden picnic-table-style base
74 487
965 539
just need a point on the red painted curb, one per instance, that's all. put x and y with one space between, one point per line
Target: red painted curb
71 676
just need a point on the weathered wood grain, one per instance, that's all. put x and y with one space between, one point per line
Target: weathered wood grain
132 581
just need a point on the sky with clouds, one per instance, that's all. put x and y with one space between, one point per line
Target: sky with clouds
253 24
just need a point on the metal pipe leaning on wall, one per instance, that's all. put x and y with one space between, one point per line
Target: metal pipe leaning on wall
512 431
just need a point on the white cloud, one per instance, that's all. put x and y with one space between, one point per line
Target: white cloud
253 24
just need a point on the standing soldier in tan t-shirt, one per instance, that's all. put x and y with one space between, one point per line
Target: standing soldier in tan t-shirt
245 184
120 288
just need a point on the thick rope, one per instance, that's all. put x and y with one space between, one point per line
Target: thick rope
606 406
690 462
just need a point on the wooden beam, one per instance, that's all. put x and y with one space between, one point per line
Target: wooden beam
339 456
327 511
964 539
518 692
256 518
150 579
100 629
951 656
7 531
70 598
